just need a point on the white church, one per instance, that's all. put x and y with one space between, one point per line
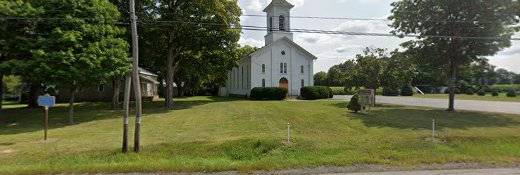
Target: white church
280 63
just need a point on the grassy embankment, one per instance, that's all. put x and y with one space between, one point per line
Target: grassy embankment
219 134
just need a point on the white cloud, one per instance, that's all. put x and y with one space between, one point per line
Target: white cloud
251 42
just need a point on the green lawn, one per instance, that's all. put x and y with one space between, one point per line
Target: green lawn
219 134
488 97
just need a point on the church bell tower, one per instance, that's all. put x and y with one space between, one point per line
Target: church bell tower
278 21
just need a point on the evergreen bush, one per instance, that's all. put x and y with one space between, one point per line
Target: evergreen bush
481 92
511 93
315 92
390 92
268 93
407 91
354 105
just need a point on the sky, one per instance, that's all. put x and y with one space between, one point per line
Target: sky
335 49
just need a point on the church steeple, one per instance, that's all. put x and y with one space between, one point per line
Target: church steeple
278 21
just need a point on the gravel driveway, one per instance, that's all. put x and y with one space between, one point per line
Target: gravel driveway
469 105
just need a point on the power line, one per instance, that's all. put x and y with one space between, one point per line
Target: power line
294 30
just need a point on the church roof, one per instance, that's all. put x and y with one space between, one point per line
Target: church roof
292 43
282 3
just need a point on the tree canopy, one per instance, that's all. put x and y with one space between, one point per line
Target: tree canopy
453 33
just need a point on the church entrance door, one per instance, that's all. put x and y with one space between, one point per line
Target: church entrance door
284 83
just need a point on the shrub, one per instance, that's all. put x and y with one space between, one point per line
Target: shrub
390 92
481 92
354 105
511 93
331 94
407 91
315 92
340 91
469 91
495 93
268 93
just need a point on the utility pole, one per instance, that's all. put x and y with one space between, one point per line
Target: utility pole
135 77
126 106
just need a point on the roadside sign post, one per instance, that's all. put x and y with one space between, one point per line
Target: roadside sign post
46 101
366 99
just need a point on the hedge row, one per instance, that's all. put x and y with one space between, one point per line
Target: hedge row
268 93
316 92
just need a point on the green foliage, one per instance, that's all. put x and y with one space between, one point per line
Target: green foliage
469 91
268 93
421 17
315 92
73 52
340 91
407 91
320 79
495 94
12 84
354 105
390 92
511 93
481 92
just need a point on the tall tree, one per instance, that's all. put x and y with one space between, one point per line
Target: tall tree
184 28
75 46
16 37
369 68
489 21
320 79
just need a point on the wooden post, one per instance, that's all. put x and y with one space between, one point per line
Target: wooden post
135 77
45 122
288 133
126 106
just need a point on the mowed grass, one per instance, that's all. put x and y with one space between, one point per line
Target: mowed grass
487 97
208 134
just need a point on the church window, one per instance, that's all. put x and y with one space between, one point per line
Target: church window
242 84
283 52
303 83
301 69
263 82
282 23
263 68
285 68
281 68
270 24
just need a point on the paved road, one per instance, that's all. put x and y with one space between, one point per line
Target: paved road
444 172
470 105
322 171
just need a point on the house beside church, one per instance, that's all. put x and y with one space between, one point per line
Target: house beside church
105 92
280 63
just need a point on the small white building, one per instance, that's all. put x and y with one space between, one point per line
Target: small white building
280 63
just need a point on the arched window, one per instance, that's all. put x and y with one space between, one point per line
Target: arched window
282 23
263 82
301 69
281 68
285 68
263 68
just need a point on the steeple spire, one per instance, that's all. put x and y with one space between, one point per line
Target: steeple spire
278 21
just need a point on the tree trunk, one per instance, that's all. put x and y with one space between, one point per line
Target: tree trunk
126 106
1 89
170 75
33 95
73 92
116 88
